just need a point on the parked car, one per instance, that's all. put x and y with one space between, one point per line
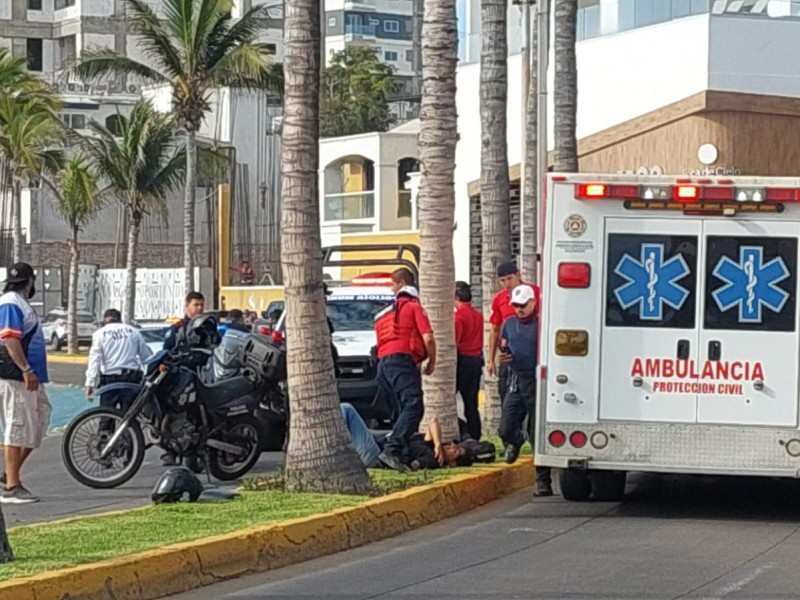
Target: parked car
54 328
154 334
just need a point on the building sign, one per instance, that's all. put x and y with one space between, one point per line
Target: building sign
717 377
712 171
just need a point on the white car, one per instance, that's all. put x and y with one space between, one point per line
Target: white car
154 334
54 328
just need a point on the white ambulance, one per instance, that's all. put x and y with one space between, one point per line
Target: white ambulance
669 329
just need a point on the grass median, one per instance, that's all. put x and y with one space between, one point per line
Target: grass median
46 547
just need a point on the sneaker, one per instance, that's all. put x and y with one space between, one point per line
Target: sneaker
512 454
543 489
18 495
393 462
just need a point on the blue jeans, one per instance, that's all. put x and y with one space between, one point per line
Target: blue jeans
361 436
399 374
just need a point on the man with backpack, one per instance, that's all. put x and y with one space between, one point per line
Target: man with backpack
23 372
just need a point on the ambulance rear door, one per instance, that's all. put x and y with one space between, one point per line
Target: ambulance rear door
651 319
749 338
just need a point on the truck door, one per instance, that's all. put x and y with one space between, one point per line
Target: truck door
651 320
749 339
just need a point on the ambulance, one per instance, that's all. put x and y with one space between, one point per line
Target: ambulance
669 329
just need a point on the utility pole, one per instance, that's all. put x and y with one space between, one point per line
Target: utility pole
542 59
525 64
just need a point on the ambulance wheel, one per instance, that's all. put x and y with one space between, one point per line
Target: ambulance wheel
608 486
575 484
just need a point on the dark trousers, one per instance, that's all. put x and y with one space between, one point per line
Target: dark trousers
503 377
468 384
399 374
519 404
121 400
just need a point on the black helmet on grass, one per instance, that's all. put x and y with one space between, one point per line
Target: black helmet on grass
176 485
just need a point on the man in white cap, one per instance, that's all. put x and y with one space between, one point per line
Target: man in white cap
519 345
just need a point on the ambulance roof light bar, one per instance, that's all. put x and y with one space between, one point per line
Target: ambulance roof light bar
685 191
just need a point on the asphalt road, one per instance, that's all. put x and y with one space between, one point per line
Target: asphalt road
672 538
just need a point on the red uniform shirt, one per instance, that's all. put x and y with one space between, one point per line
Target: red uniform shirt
399 329
469 331
501 305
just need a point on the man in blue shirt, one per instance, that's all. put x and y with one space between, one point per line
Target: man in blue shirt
519 346
23 372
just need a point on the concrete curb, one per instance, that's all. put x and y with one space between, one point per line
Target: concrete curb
67 360
182 567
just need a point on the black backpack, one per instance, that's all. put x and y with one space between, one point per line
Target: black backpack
479 452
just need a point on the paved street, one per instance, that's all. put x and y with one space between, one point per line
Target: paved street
691 537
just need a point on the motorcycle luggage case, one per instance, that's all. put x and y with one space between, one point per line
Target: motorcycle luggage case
264 357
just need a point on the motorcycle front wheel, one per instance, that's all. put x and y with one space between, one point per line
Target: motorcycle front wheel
84 440
245 432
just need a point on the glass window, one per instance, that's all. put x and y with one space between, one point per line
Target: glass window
331 21
59 4
644 14
591 22
390 56
626 17
700 7
34 4
391 26
681 8
354 315
410 56
661 11
78 122
34 54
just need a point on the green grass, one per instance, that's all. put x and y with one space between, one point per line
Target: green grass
498 443
47 547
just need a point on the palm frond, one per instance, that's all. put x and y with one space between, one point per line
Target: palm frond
95 64
248 66
244 31
154 39
78 200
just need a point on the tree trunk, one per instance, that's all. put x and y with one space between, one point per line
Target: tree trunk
495 205
189 209
528 216
16 219
436 202
72 300
129 312
320 455
6 554
565 87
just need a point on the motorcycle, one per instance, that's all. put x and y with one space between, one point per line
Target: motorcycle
177 410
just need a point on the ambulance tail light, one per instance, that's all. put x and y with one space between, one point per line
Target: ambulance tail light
686 193
577 439
574 275
782 194
599 191
572 342
557 438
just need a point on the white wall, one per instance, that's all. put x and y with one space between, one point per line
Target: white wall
98 41
97 8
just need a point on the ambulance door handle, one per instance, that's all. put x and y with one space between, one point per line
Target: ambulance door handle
683 349
714 350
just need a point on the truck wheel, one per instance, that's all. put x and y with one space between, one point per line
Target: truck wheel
608 486
575 484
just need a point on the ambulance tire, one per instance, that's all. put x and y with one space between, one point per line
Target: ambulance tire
575 484
608 486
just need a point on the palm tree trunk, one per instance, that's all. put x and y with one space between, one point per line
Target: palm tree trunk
320 455
565 87
495 217
72 300
436 201
528 216
129 313
16 219
6 554
189 209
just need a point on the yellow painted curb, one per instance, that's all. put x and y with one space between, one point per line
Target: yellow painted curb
181 567
67 360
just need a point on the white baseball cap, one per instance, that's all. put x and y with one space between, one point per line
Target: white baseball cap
522 294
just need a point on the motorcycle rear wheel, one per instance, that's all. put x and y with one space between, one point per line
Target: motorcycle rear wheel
237 429
130 448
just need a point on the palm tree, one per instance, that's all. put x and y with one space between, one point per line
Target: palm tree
495 202
29 130
319 455
195 48
77 201
437 151
140 166
528 215
565 86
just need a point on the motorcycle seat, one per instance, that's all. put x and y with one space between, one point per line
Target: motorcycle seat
221 392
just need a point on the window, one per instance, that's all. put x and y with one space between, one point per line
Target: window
114 125
60 4
390 56
331 21
410 56
34 54
391 26
34 4
74 121
272 48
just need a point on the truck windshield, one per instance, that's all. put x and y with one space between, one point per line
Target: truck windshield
354 315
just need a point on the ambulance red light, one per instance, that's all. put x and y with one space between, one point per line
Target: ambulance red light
783 195
574 275
277 336
371 279
721 193
557 438
577 439
685 193
591 191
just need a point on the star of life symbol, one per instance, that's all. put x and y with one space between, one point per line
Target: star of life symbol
750 284
652 282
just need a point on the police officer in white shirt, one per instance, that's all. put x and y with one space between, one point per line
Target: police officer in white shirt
117 355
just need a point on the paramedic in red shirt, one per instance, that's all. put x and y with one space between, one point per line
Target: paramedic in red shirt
405 340
469 345
508 273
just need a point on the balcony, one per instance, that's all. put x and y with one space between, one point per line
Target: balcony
345 207
359 32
